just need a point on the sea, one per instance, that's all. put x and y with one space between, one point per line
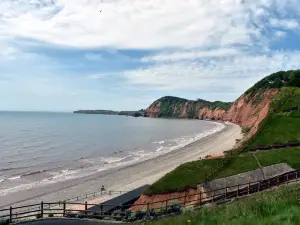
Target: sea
40 148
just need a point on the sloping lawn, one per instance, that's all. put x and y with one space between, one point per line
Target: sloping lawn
277 129
277 207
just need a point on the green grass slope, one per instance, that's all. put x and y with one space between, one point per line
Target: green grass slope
283 123
277 207
193 173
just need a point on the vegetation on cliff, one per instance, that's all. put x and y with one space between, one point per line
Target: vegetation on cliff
283 122
278 206
277 80
173 107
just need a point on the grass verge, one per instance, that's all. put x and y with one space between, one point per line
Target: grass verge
278 206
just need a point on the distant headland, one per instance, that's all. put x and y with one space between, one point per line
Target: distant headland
111 112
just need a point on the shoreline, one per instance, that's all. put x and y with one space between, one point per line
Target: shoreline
132 176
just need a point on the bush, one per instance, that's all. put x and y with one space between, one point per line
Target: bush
4 222
51 215
80 216
246 130
175 208
96 215
38 216
71 215
186 210
132 217
140 214
161 211
118 215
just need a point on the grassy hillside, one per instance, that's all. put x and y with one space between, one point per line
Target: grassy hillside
279 206
283 123
193 173
278 80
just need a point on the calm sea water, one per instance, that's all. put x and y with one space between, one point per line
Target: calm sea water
38 149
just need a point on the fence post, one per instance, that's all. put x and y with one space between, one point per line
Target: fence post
166 205
200 196
64 208
85 208
148 207
10 214
249 188
42 209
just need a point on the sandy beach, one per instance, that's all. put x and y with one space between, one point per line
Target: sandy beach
130 177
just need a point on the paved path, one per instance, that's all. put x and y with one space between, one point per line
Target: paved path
68 222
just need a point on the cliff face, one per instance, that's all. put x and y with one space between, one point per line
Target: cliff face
247 111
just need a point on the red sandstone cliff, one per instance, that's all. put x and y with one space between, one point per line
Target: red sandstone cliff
246 111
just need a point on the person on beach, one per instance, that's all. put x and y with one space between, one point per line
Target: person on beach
102 189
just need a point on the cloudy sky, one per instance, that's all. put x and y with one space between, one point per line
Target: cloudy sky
62 55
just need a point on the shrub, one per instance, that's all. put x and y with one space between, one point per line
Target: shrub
38 216
51 215
186 210
80 216
96 215
246 130
118 215
140 214
71 215
132 217
175 208
4 222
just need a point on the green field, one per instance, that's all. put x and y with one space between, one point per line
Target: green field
277 129
276 207
194 173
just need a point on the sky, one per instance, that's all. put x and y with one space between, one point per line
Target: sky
64 55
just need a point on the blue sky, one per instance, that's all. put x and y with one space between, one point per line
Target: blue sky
63 55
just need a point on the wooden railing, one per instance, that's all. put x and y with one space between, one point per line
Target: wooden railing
165 207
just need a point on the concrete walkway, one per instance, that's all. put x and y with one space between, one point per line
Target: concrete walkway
68 222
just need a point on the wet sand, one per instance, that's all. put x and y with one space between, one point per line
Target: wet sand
130 177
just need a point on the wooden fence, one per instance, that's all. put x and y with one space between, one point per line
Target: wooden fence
81 210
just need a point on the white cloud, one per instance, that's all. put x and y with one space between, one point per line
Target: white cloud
280 34
207 45
284 23
231 74
132 23
191 54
